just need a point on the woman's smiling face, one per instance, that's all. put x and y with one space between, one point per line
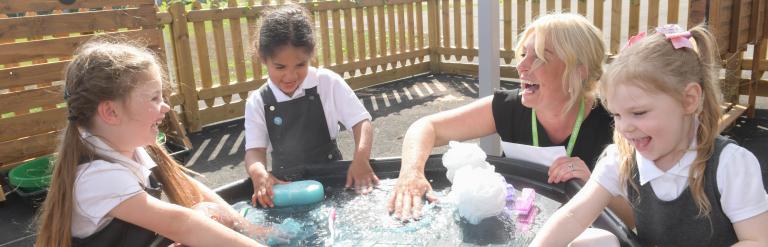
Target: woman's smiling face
542 82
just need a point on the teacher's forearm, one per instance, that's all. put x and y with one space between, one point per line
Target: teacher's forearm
417 145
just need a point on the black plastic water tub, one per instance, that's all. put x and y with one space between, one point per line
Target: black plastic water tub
518 173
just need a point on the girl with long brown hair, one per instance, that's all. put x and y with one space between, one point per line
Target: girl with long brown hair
109 169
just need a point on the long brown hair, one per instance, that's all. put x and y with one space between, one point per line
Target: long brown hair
102 70
655 65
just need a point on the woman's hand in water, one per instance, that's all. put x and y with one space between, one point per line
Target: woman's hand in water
360 176
407 197
262 188
565 168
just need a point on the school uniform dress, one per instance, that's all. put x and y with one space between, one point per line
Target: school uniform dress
664 208
513 124
102 184
302 128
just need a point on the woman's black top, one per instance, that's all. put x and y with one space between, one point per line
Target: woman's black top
513 123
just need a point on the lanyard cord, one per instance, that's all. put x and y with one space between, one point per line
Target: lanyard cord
574 131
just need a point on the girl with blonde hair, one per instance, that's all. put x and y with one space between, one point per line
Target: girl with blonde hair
687 185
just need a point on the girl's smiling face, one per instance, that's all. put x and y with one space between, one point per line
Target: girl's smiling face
288 67
144 109
655 123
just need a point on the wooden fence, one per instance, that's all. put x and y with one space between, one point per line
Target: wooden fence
366 41
37 40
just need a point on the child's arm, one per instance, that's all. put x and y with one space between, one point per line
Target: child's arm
211 196
573 218
360 175
256 166
751 232
178 223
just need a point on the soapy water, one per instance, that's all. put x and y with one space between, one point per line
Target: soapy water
363 220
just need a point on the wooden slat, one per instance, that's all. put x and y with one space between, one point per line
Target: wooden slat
507 27
401 30
653 13
382 32
222 62
598 21
203 59
535 9
184 68
337 45
350 45
11 6
520 15
32 124
457 34
634 18
433 26
471 52
386 76
218 113
370 14
472 69
383 61
582 7
470 33
411 29
360 28
445 22
420 25
25 148
22 27
325 39
22 101
63 47
255 61
730 117
222 90
33 74
550 7
615 26
673 11
756 22
237 44
392 27
735 26
566 6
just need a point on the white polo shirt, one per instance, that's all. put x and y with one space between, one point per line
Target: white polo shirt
102 185
739 179
340 105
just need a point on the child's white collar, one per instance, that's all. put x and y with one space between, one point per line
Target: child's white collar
309 82
102 149
648 171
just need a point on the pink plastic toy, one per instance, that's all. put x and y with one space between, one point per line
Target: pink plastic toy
524 203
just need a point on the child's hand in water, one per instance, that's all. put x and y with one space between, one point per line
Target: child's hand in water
280 234
360 177
262 189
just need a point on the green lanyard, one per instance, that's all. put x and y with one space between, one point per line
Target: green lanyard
574 132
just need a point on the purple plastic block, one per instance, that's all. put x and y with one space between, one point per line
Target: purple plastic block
524 203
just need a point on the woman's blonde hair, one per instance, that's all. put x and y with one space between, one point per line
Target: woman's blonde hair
652 63
102 70
575 41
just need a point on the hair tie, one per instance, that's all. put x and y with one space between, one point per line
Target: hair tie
677 35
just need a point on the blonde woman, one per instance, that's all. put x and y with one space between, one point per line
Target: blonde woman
560 61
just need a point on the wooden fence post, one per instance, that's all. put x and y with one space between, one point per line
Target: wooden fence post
183 60
434 36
